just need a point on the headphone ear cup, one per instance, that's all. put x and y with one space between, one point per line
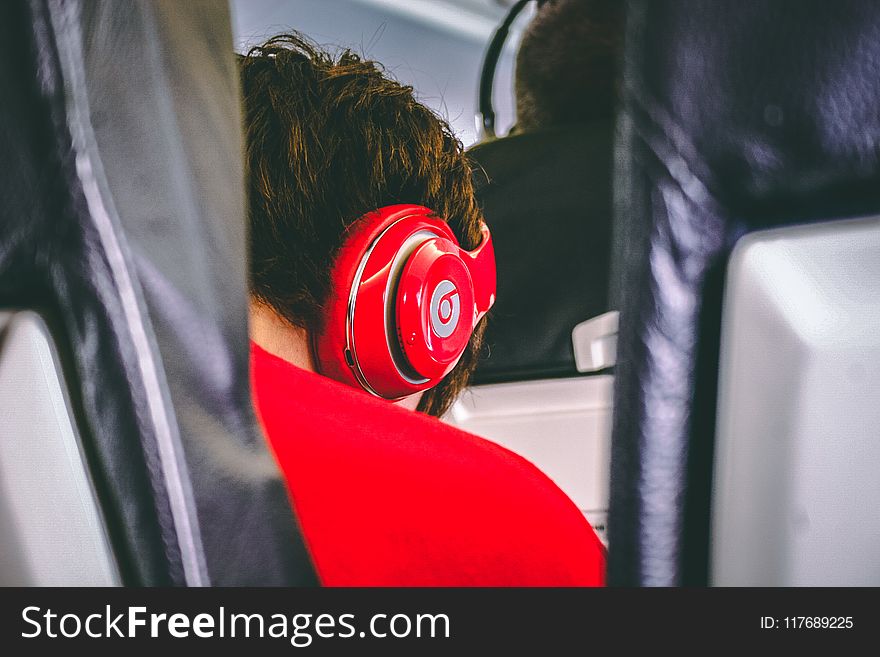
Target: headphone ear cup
358 341
435 308
402 305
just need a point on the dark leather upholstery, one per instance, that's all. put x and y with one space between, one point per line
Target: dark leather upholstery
122 212
737 115
546 196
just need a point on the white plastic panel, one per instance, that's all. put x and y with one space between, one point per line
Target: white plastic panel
51 531
595 342
563 426
797 471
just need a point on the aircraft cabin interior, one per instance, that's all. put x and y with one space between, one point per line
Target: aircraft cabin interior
684 336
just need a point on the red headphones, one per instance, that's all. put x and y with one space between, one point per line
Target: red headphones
405 299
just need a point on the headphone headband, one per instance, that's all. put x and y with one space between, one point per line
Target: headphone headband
485 111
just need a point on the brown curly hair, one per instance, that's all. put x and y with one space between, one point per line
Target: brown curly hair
566 64
329 139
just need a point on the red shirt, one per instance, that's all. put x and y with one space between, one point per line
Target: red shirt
389 497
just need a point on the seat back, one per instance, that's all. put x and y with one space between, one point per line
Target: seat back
52 531
547 197
730 126
797 449
122 218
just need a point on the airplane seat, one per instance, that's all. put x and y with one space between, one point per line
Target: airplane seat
747 197
547 197
543 385
129 449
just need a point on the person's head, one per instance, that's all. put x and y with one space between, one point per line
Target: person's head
566 63
330 138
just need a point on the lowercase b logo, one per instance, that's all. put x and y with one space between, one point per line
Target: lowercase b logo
445 309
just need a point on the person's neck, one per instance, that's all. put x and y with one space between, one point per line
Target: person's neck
279 337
